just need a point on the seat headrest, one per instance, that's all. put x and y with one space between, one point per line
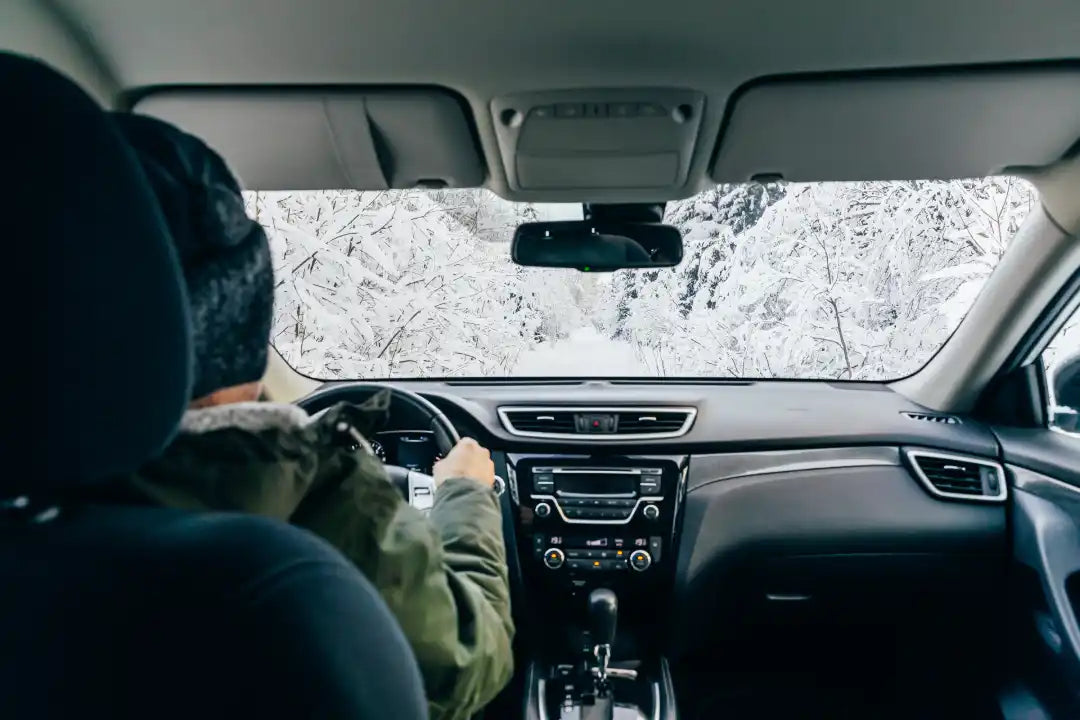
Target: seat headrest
109 336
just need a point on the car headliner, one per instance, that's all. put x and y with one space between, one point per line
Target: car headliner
484 49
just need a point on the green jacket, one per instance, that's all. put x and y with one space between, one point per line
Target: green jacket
443 576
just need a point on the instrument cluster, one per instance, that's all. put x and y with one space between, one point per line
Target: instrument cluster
412 449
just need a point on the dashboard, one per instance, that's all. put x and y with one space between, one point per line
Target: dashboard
706 504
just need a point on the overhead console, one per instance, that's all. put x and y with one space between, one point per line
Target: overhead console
640 138
342 138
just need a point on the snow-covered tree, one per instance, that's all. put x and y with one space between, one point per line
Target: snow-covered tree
386 284
845 280
842 280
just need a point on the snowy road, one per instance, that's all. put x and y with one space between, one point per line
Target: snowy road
584 353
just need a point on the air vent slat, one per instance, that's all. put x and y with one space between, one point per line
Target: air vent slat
958 477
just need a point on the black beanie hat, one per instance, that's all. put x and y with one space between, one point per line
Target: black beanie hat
225 254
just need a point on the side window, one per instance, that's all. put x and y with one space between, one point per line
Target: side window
1062 363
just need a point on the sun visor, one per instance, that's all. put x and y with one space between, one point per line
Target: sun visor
304 140
910 126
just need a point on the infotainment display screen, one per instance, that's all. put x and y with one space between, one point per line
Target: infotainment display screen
592 483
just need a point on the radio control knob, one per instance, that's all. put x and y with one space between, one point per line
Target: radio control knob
651 512
639 560
542 509
554 558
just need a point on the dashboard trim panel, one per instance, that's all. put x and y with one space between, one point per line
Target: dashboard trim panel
715 467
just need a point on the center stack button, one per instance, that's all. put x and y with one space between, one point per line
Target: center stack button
543 481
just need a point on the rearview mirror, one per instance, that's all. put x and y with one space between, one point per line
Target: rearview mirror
592 246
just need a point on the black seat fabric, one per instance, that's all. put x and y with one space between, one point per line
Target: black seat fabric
126 612
109 609
113 340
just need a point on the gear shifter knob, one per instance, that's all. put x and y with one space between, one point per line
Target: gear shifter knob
603 613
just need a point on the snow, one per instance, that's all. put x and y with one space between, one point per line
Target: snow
584 353
860 280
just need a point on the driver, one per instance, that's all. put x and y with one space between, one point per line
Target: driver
444 576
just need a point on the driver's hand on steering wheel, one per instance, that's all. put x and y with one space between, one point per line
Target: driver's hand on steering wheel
467 459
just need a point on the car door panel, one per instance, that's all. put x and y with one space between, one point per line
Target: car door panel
1044 469
1046 538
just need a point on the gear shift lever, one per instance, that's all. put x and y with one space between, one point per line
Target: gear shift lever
603 618
603 614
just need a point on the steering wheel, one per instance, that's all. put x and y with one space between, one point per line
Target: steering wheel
418 488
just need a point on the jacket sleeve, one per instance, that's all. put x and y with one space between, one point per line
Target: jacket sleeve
444 577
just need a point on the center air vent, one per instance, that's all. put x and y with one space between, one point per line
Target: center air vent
598 423
958 476
538 421
649 422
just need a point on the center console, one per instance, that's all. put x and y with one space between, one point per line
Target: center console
597 541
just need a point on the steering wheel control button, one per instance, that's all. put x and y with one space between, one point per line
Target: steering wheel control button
640 560
542 509
554 558
651 512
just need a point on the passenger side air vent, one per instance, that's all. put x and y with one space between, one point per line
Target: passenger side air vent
958 476
650 422
539 421
598 423
933 417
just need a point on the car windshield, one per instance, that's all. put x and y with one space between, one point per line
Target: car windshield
858 280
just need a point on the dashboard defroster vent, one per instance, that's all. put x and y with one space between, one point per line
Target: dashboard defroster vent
958 477
598 423
932 417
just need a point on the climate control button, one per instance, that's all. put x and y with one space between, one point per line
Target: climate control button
554 558
639 560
